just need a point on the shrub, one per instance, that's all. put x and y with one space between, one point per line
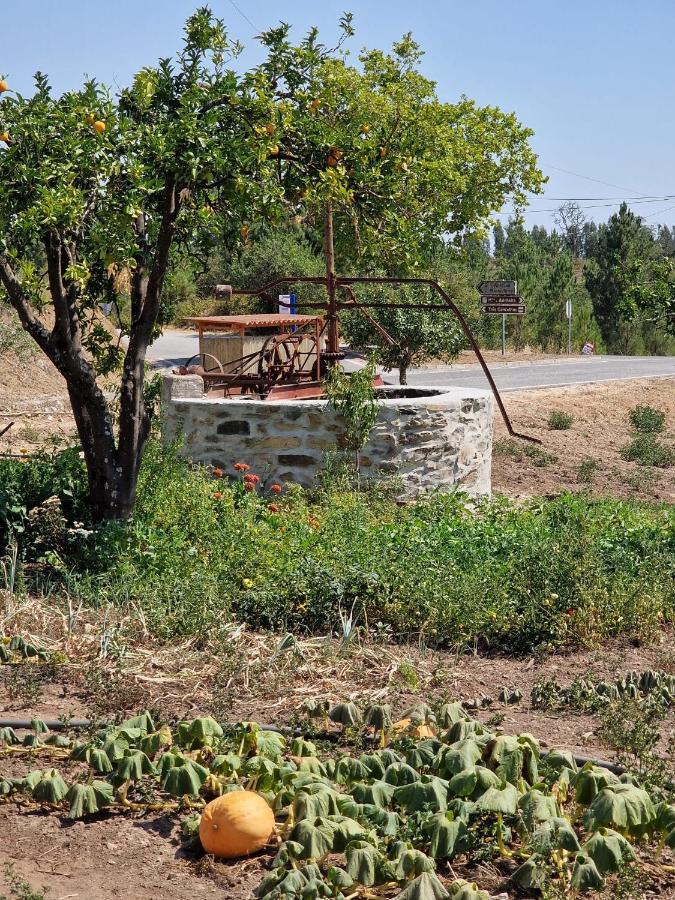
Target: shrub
586 470
647 450
559 420
647 420
201 550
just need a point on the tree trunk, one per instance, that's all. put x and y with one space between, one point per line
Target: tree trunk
403 371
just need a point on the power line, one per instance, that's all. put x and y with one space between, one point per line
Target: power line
244 16
597 180
530 212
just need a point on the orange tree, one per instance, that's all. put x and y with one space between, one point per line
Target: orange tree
93 188
372 147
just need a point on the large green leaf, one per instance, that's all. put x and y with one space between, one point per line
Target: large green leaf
447 836
502 799
411 863
345 714
51 788
315 837
185 779
133 766
536 806
590 780
201 732
609 850
88 799
8 736
429 792
313 800
531 875
379 793
347 770
623 806
555 834
457 758
143 721
426 887
450 713
399 773
378 716
585 875
365 864
463 890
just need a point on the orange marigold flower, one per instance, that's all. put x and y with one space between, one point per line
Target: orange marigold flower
217 495
248 486
241 467
218 472
273 507
251 478
276 488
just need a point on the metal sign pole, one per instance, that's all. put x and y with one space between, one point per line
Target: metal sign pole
503 334
568 312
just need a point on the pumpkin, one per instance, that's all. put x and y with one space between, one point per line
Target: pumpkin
236 824
406 726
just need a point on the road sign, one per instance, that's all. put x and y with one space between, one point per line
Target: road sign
503 309
568 309
498 288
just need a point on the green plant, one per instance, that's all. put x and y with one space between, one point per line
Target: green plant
647 450
19 889
632 728
586 470
559 420
540 458
647 419
353 398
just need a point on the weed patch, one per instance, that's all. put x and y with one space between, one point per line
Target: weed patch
559 420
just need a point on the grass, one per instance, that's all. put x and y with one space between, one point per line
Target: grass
539 457
441 571
559 420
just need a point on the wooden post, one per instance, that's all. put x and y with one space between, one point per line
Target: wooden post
333 333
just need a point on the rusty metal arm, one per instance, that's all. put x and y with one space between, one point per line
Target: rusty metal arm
346 281
429 282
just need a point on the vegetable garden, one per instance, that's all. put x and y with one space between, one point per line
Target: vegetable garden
354 804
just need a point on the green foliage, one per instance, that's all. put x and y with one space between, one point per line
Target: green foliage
19 889
647 450
419 335
559 420
647 420
542 574
353 398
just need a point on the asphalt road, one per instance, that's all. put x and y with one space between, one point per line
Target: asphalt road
175 347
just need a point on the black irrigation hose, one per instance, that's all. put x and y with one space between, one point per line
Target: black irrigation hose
59 725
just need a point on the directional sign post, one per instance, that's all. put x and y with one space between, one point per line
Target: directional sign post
498 288
500 298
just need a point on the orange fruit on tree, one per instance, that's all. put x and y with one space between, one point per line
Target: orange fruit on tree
365 129
269 128
3 86
236 824
4 137
315 104
99 126
334 156
243 232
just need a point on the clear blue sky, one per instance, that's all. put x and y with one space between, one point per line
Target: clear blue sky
594 79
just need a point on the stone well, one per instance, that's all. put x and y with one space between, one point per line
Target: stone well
429 437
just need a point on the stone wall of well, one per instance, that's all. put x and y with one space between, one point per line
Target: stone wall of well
439 441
